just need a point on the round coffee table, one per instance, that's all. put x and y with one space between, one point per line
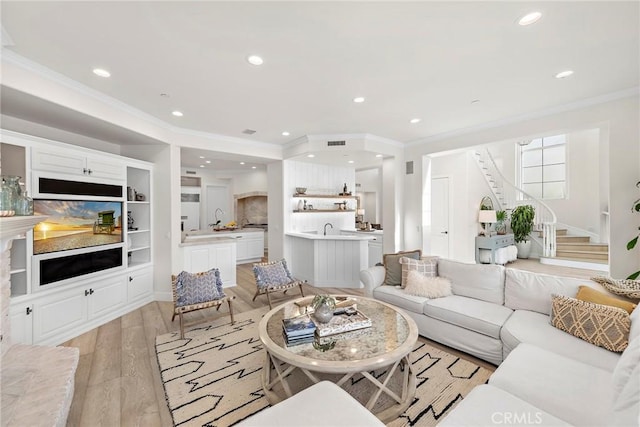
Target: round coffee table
378 354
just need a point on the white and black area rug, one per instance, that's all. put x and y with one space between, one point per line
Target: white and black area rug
212 377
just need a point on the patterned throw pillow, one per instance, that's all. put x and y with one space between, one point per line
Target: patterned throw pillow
427 266
585 293
392 267
195 288
427 286
272 273
625 287
601 325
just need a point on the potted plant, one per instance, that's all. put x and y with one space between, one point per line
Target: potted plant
323 306
501 218
522 225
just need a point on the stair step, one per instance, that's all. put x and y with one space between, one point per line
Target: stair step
583 255
585 247
577 263
572 239
559 232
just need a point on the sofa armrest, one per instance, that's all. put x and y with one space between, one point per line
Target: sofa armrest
372 277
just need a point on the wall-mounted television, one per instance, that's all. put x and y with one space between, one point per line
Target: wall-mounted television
74 224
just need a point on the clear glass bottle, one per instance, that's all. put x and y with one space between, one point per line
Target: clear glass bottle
10 194
24 206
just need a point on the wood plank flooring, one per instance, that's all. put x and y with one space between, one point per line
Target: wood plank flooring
118 380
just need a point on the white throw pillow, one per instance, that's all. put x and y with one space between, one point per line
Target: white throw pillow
428 287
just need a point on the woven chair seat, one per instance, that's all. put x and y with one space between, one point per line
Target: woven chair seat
267 288
199 306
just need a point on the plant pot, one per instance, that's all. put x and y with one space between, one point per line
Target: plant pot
323 313
524 249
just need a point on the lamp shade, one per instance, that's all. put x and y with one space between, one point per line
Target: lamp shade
488 216
360 212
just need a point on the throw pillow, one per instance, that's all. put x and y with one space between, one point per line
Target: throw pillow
625 287
272 274
585 293
392 267
195 288
427 286
601 325
427 266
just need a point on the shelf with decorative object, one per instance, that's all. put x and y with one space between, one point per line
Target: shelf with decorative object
323 210
323 196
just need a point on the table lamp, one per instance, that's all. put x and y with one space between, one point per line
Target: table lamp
487 217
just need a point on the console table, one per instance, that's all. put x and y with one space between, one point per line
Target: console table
493 243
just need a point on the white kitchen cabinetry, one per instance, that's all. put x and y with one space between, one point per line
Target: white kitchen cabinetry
20 316
71 162
375 245
205 255
250 247
63 311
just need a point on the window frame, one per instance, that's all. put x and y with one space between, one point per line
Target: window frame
522 149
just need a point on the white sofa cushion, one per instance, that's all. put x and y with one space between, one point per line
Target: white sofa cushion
487 405
575 392
626 405
524 290
322 404
479 316
483 282
534 328
397 296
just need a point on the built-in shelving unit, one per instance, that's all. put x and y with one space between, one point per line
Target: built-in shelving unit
323 196
323 210
139 237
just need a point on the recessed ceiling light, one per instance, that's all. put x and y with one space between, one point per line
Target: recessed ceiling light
164 95
311 156
101 72
208 161
416 120
253 167
242 163
202 157
358 99
351 161
177 113
530 18
201 166
378 155
475 101
285 133
563 74
255 60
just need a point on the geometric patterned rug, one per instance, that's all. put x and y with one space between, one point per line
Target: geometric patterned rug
212 377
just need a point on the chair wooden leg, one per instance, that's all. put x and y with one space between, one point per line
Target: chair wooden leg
218 307
269 300
174 316
301 291
256 295
230 312
181 326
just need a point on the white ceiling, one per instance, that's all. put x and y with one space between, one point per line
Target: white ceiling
408 59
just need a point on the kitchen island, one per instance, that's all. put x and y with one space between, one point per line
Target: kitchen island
249 241
328 261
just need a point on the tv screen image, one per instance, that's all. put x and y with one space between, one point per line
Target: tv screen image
74 224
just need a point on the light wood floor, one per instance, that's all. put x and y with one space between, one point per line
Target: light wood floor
118 380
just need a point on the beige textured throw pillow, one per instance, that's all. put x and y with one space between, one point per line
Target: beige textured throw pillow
427 266
426 286
392 267
601 325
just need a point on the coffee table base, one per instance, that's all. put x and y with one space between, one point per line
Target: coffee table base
277 372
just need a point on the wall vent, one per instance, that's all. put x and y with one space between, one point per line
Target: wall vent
190 172
409 167
336 143
249 131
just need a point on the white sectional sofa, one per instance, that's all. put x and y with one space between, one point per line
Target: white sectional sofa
546 376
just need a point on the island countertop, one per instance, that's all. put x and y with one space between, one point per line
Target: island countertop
315 236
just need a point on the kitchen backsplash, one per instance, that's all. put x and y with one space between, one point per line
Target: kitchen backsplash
254 209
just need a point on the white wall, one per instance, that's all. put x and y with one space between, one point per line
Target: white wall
276 210
370 193
619 124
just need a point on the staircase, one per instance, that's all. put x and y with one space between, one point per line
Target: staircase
578 252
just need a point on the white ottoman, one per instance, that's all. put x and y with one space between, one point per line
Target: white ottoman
323 404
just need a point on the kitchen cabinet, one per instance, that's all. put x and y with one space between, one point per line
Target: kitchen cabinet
250 247
205 254
139 284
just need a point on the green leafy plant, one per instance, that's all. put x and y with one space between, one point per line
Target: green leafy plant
319 300
635 207
501 218
522 222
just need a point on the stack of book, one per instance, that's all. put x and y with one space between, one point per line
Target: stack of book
298 330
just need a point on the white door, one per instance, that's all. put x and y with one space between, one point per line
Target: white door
218 198
440 217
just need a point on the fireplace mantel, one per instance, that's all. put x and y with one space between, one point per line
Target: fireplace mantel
15 226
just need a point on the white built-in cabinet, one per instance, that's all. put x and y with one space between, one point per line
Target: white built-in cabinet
220 254
72 163
57 313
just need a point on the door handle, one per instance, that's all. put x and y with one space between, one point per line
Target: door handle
444 232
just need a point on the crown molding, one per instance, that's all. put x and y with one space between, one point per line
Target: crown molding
589 102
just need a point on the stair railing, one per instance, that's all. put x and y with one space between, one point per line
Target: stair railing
509 196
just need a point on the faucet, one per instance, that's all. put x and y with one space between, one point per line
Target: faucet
325 227
245 221
216 215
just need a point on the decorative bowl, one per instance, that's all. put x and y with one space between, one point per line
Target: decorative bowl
301 190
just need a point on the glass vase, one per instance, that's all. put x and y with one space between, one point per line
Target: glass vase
10 193
323 313
24 205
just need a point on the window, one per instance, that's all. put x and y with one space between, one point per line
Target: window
543 167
